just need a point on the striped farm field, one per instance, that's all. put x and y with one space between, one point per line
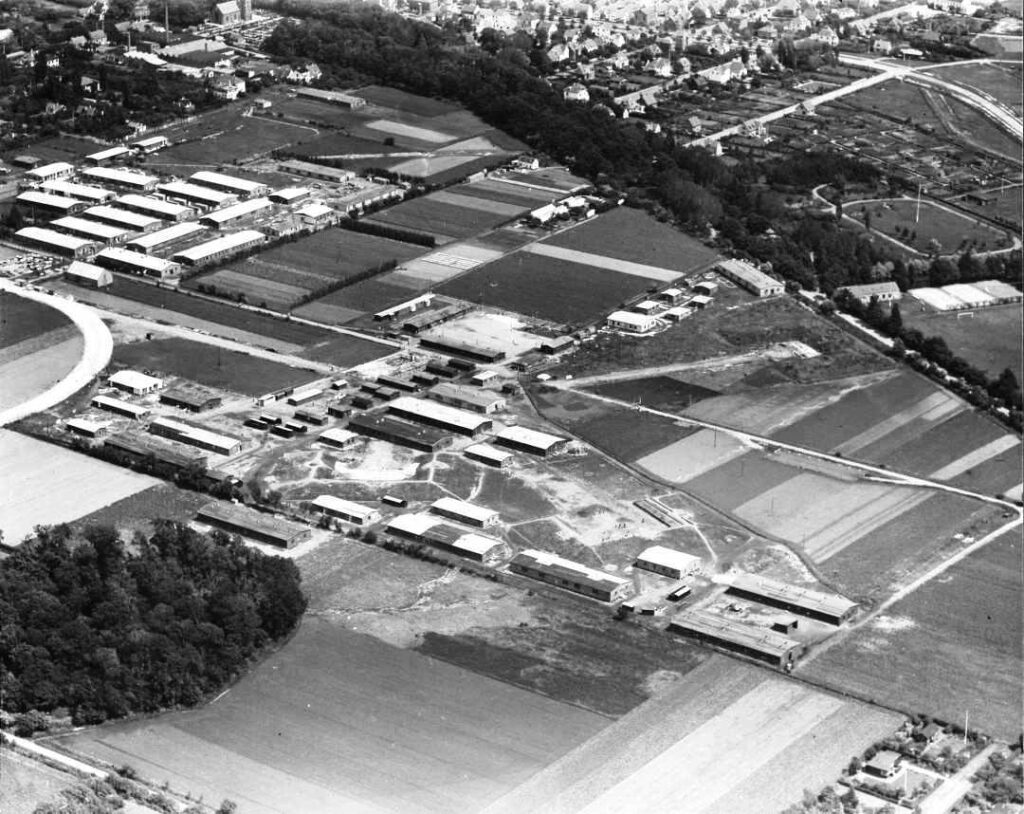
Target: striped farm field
724 739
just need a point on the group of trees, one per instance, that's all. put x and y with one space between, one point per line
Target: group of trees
97 628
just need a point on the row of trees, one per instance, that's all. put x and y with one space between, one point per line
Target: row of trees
99 628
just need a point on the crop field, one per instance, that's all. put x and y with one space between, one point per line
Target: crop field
445 221
216 312
989 338
632 235
284 275
242 139
210 365
952 230
45 484
22 319
954 645
546 288
726 738
351 302
348 723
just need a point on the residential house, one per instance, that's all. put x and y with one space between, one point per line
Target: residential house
576 93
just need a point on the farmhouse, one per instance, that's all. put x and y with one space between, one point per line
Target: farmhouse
825 607
439 415
220 218
746 276
422 528
523 439
339 438
572 576
630 321
57 242
125 408
347 510
885 763
228 183
122 218
166 238
463 512
86 274
130 262
253 524
886 292
132 381
492 456
668 562
737 637
196 195
44 205
195 400
83 192
91 229
468 398
122 179
195 436
402 433
219 248
155 207
51 172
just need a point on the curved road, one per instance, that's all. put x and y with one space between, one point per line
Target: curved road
99 346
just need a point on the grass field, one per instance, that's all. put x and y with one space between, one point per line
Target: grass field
345 350
240 139
284 275
23 319
989 340
954 231
547 288
351 302
26 783
210 365
405 102
348 723
998 80
45 484
222 313
950 648
336 145
165 501
633 235
657 392
444 221
726 738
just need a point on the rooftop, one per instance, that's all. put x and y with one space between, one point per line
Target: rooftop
226 243
337 504
227 181
744 635
438 412
528 437
463 509
167 235
804 597
577 572
238 210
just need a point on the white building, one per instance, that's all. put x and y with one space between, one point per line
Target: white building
131 381
667 562
464 512
633 322
355 513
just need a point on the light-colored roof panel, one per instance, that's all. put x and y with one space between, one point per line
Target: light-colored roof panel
414 525
337 504
167 235
90 228
533 438
226 243
463 509
668 557
227 181
438 412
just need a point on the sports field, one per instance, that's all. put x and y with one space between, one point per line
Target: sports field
988 338
240 138
22 319
547 288
43 484
445 221
951 648
726 738
633 235
210 365
954 232
284 275
348 723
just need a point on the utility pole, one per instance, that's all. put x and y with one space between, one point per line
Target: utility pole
917 216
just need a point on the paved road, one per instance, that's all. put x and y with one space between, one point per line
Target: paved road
56 757
96 353
955 787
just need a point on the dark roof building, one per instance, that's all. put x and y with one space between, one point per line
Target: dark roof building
253 524
825 607
736 637
385 428
572 576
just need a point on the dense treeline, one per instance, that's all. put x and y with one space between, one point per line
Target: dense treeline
102 628
744 203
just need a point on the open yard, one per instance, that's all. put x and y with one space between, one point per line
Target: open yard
633 235
348 723
950 648
547 288
210 365
952 230
988 338
286 274
43 484
726 738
